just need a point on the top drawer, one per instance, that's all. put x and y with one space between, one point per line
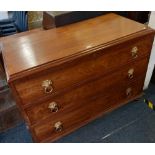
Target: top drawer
52 81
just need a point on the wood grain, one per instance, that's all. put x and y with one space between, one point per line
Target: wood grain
70 100
100 63
35 49
45 131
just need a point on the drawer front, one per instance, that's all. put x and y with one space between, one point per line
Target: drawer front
34 88
72 99
53 128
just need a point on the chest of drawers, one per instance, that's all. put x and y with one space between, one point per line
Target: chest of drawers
65 77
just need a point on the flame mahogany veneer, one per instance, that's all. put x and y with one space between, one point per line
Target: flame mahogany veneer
65 77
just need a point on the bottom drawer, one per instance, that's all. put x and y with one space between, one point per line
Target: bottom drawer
50 130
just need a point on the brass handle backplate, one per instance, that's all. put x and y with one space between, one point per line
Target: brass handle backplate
53 106
128 91
47 86
134 52
130 73
58 126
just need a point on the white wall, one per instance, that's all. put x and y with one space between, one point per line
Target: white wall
152 57
3 15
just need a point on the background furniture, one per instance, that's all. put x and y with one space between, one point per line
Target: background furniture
16 22
7 27
53 19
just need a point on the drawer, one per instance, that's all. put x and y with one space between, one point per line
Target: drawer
77 96
53 128
48 83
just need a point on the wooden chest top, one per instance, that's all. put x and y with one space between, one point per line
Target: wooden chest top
38 50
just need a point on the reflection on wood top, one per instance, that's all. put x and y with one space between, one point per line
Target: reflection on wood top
29 50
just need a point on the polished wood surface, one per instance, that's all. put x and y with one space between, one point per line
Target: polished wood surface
92 67
84 114
100 62
70 100
44 47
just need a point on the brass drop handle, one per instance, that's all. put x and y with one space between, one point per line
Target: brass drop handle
53 106
58 126
128 91
130 73
47 86
134 52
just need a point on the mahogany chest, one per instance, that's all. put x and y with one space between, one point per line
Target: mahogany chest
65 77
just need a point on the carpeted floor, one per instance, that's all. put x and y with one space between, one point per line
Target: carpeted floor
134 122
